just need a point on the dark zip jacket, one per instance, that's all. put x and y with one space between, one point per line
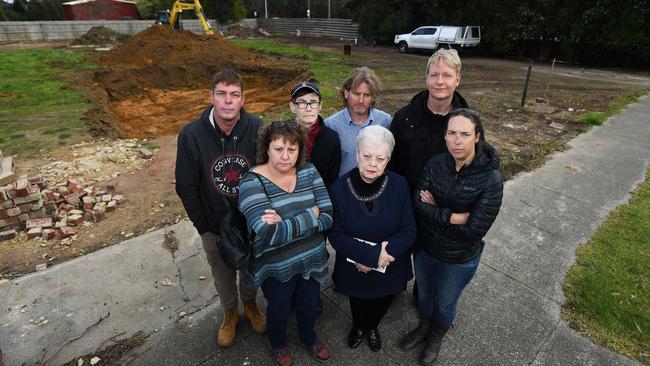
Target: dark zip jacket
419 135
476 188
326 154
210 164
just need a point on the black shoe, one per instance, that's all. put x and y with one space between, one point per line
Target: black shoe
432 345
355 337
374 340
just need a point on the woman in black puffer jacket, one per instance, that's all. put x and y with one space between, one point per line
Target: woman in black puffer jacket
456 202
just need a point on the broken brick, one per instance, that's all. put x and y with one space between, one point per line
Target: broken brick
34 232
88 199
3 214
14 211
74 186
47 195
7 204
44 222
88 215
35 206
75 220
107 197
73 198
145 153
25 208
111 206
3 195
65 232
48 234
97 215
23 217
66 207
118 198
22 188
30 198
37 214
7 234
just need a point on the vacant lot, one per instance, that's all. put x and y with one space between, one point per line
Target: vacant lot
122 91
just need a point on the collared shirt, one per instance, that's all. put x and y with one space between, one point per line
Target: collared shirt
348 130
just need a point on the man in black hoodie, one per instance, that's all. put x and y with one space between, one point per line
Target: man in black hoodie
419 127
213 154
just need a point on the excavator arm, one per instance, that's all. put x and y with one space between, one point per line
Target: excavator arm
195 5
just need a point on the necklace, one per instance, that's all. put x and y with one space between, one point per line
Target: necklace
369 204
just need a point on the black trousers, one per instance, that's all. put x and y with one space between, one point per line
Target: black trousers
367 313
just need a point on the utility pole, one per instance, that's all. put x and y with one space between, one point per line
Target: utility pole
329 10
266 11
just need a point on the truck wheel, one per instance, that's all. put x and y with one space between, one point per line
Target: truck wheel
402 47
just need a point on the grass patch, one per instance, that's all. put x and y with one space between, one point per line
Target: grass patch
608 289
593 118
598 118
38 107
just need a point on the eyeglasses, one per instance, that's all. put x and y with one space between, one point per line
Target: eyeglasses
368 157
303 105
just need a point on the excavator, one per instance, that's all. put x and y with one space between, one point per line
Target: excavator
171 17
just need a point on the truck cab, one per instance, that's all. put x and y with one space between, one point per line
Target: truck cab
429 38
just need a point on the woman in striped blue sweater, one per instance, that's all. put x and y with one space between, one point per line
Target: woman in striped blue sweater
287 207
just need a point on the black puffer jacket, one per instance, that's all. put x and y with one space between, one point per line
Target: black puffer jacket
419 135
477 188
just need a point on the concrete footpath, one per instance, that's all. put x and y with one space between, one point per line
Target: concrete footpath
509 314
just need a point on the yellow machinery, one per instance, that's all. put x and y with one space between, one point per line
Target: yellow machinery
171 16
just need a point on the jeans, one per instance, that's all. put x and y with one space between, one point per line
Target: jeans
278 296
440 285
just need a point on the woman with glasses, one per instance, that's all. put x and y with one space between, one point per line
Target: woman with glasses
287 207
323 144
457 199
373 231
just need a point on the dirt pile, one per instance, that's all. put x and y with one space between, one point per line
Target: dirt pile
238 31
100 36
160 79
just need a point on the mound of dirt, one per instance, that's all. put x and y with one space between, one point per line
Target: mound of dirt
100 36
159 79
239 31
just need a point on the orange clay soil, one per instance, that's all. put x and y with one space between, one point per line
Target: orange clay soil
160 79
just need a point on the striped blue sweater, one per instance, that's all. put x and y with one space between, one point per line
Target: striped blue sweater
295 245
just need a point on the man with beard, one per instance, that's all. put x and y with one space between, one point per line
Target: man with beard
359 92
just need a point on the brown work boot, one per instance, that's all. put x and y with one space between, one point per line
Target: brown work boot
228 328
258 320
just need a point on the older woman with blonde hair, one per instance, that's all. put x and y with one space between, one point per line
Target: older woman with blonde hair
373 230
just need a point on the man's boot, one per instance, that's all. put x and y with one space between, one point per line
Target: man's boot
417 335
257 319
228 328
434 340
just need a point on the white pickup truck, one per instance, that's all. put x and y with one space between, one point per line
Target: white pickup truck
431 37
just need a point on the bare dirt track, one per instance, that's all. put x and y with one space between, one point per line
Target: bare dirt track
159 80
